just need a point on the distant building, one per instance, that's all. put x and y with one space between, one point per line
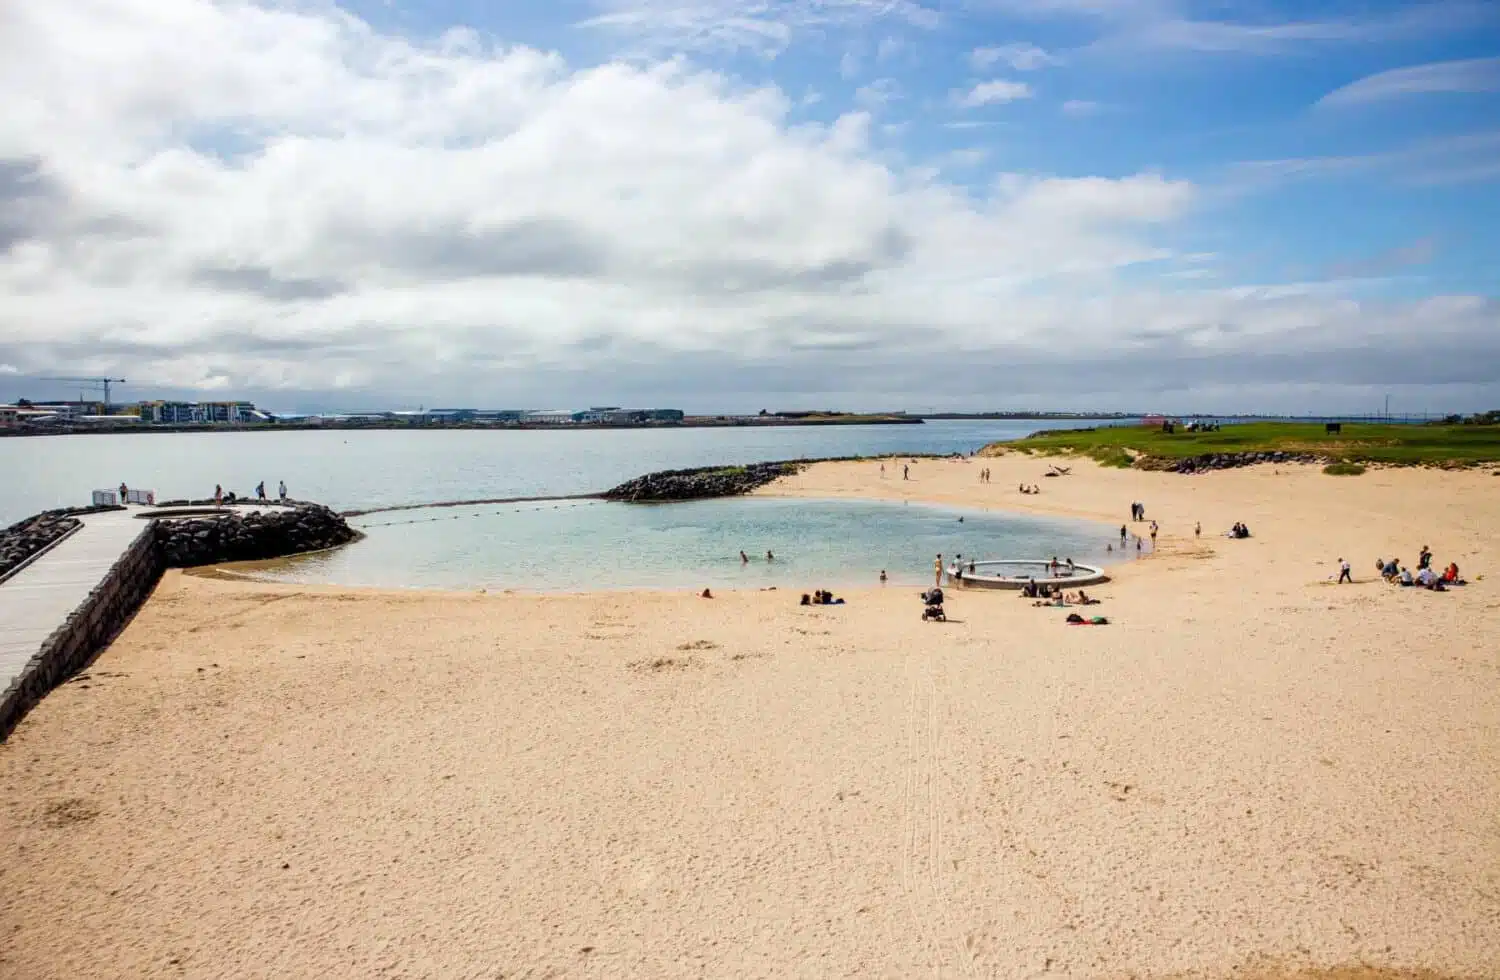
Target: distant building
627 416
552 417
199 413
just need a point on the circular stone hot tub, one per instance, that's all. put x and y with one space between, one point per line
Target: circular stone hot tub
1016 573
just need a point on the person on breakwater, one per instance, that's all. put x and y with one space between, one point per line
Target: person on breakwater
260 490
281 492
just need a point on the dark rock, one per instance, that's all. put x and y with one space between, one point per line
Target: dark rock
700 483
251 537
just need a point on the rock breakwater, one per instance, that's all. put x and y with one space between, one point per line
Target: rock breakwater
253 536
700 483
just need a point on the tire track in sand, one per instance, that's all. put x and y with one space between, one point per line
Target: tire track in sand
925 889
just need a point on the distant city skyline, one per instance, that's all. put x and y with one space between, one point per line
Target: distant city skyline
1176 205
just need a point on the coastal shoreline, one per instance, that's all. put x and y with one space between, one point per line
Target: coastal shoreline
1249 773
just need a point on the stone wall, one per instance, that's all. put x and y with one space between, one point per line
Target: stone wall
251 536
23 539
87 630
160 545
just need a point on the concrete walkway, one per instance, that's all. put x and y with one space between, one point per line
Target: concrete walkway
38 600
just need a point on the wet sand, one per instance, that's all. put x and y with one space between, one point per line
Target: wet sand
1250 773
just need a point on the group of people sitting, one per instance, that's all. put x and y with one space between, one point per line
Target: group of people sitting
1427 577
1033 488
1238 531
821 597
1045 594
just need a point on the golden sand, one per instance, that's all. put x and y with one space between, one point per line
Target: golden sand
1250 773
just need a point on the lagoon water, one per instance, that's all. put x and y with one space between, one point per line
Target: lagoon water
579 546
597 545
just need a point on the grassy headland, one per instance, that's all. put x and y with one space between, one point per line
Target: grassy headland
1399 445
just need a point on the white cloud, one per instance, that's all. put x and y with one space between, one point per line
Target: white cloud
1020 57
849 65
877 94
1473 75
888 48
994 92
1080 107
1136 25
237 197
767 27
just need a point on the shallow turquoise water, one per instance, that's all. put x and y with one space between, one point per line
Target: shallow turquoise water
593 545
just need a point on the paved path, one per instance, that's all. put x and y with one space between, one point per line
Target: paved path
38 600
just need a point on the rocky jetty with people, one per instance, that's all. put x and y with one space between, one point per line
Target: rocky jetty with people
700 483
251 536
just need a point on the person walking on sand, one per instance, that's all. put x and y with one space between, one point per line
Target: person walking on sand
1153 535
1198 530
905 472
1344 575
937 570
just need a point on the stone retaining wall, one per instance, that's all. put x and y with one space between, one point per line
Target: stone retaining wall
87 630
160 545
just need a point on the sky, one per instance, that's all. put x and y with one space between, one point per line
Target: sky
727 205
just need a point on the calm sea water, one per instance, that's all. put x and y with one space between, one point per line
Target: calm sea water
586 545
349 470
594 545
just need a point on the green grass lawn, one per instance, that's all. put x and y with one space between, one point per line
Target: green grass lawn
1395 444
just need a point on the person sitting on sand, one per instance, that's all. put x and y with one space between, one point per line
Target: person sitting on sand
1405 576
1450 574
806 599
1426 577
706 594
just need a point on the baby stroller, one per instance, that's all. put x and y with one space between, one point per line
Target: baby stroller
933 598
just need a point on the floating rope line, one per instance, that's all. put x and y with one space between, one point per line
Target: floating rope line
456 517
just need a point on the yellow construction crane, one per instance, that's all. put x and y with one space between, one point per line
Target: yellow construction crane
93 384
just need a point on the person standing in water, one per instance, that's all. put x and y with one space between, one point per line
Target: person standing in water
769 556
744 558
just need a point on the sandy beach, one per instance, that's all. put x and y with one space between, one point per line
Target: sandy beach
1250 773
